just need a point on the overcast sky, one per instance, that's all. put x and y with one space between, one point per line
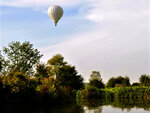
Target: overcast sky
110 36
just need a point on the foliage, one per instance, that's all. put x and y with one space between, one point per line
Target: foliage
47 87
133 93
122 81
89 93
0 64
21 57
66 75
41 71
0 61
96 83
95 80
16 81
95 75
57 81
137 93
135 84
145 80
57 60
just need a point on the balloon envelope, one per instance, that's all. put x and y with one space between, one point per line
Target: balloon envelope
55 13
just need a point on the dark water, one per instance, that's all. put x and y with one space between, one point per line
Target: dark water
91 106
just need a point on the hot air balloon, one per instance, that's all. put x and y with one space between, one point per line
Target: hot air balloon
55 13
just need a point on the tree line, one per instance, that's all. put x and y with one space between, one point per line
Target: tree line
22 75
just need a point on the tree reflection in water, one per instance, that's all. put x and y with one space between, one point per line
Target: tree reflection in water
95 105
85 106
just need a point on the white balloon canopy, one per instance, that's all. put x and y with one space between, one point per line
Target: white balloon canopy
55 13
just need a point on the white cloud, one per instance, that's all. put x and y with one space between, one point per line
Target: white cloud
105 10
39 3
121 48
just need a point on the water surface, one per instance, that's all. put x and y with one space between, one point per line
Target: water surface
90 106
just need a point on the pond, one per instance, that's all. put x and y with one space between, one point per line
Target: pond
91 106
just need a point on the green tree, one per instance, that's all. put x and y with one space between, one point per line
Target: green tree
57 60
21 57
66 75
95 75
123 81
41 70
3 65
0 62
54 64
96 80
145 80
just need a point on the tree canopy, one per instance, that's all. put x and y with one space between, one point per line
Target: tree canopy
20 57
145 80
57 60
66 75
0 61
96 80
118 81
95 75
41 70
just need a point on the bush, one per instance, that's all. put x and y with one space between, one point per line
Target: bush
132 92
136 84
96 83
122 81
90 92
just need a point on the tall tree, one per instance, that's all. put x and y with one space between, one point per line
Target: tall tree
21 57
57 60
69 77
96 80
95 75
66 75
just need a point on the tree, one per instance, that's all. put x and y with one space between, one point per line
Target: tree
57 60
54 64
41 70
66 75
21 57
95 75
0 65
145 80
3 65
96 80
111 82
0 62
118 81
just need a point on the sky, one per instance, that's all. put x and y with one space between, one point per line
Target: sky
110 36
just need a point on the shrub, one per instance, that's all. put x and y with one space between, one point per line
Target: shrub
124 81
96 83
90 92
136 84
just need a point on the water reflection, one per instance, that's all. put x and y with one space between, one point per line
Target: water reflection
88 106
115 106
